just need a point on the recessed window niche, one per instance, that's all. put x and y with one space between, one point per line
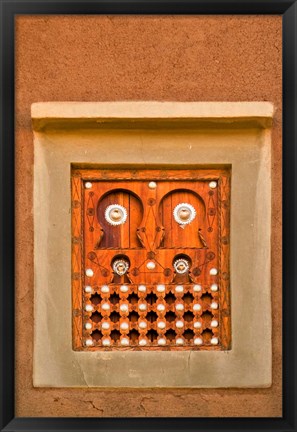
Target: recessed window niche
148 267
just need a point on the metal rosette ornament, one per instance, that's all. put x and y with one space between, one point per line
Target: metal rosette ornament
181 265
115 214
120 267
184 214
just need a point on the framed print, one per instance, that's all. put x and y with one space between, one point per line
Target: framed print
148 215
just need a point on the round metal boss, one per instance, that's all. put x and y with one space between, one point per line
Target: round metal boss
181 266
120 267
116 214
184 213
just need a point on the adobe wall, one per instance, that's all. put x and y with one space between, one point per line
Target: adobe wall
172 58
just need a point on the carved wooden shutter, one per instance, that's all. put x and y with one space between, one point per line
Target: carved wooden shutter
150 259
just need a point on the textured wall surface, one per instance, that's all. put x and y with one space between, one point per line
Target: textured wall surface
99 58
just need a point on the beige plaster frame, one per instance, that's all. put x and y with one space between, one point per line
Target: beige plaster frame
153 134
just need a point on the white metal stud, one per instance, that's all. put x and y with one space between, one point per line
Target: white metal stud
214 323
161 324
89 272
151 265
198 341
179 289
213 272
124 307
152 185
160 288
105 289
214 341
179 324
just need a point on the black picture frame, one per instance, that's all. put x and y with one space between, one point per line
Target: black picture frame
9 9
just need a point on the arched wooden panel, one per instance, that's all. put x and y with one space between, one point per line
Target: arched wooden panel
182 236
120 236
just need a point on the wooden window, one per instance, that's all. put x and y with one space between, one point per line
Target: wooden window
150 259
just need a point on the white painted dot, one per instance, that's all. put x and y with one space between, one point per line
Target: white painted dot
152 185
214 305
160 288
198 341
142 288
197 324
151 265
161 324
142 325
124 307
105 306
105 342
88 185
142 306
88 308
125 341
161 341
89 272
124 326
196 307
214 323
142 342
212 184
179 341
88 289
105 325
160 307
213 272
179 324
197 288
88 326
179 307
105 289
214 287
89 342
179 288
214 341
124 288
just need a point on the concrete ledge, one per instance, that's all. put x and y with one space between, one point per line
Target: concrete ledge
97 114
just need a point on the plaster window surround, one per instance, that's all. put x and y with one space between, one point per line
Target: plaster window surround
153 136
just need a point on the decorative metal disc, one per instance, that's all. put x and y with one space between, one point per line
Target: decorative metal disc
184 213
115 214
181 266
120 267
